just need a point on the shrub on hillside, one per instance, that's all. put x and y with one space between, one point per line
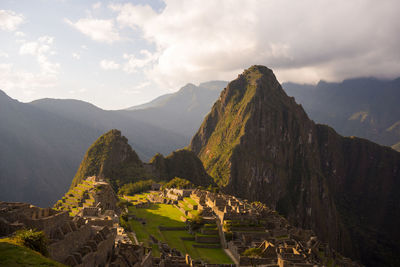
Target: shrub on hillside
253 252
123 221
35 240
179 183
135 188
123 203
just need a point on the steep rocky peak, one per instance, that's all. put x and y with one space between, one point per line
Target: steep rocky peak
258 143
110 156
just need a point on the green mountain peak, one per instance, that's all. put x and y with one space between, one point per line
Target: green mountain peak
110 156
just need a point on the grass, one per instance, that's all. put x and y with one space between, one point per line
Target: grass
186 208
137 198
191 201
13 255
168 215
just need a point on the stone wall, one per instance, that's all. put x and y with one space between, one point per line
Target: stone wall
61 249
106 197
48 224
207 238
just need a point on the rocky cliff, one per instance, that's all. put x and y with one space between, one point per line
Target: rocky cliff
181 163
257 143
111 157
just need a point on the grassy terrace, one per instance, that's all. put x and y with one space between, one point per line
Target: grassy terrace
191 201
137 198
13 255
186 208
74 196
168 215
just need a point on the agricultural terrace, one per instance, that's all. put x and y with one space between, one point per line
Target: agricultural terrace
148 222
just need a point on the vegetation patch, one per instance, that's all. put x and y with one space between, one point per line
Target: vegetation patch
253 252
179 183
147 224
131 189
13 255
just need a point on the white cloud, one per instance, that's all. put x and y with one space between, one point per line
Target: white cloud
19 34
9 20
303 40
101 30
143 85
76 56
135 63
41 49
16 79
4 54
109 65
29 48
80 91
96 5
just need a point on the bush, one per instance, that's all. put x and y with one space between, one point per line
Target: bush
135 188
228 236
179 183
35 240
123 221
123 203
253 252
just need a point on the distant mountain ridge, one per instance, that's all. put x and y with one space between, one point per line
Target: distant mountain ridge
363 107
258 143
42 143
182 111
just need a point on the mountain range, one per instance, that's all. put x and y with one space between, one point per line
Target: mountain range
256 143
259 144
363 107
43 142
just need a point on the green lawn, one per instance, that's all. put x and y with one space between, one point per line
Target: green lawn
186 208
168 215
191 201
12 255
138 197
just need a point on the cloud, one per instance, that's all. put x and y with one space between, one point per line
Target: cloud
96 5
9 20
101 30
109 65
41 49
19 34
143 85
76 56
135 63
12 78
301 41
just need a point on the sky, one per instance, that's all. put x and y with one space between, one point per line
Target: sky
117 54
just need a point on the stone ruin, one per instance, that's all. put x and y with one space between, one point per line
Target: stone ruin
91 238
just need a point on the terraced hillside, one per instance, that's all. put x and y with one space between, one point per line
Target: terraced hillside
88 193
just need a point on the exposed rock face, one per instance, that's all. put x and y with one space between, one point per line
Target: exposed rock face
111 157
396 147
181 163
257 143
